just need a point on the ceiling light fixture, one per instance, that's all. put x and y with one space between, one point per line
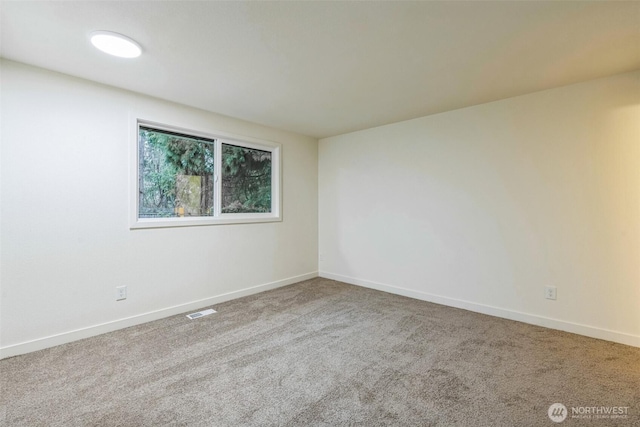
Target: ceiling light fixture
115 44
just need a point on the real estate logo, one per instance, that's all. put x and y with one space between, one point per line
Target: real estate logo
557 412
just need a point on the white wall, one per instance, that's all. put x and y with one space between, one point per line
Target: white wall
482 207
65 238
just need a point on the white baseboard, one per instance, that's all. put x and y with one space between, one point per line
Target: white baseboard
576 328
66 337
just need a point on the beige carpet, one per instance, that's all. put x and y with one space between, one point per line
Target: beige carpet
322 353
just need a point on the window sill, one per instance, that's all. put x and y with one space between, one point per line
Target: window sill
143 223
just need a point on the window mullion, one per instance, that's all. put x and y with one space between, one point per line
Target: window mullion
217 199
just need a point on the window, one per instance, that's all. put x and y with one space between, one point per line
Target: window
189 178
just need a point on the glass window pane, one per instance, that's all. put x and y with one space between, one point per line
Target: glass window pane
176 174
246 180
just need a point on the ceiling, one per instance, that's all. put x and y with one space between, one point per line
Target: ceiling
328 68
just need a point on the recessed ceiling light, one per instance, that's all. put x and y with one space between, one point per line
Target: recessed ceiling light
115 44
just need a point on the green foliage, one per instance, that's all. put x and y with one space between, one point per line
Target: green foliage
169 161
190 157
164 157
246 180
157 177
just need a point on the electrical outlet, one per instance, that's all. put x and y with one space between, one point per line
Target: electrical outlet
550 292
121 293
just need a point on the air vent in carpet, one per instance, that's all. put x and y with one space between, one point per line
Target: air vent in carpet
201 313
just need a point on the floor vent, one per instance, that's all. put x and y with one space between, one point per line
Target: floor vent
201 313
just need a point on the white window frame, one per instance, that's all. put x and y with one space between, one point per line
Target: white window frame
218 217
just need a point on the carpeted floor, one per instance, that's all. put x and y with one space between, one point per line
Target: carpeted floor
322 353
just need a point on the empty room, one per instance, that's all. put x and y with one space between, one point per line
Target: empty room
318 213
